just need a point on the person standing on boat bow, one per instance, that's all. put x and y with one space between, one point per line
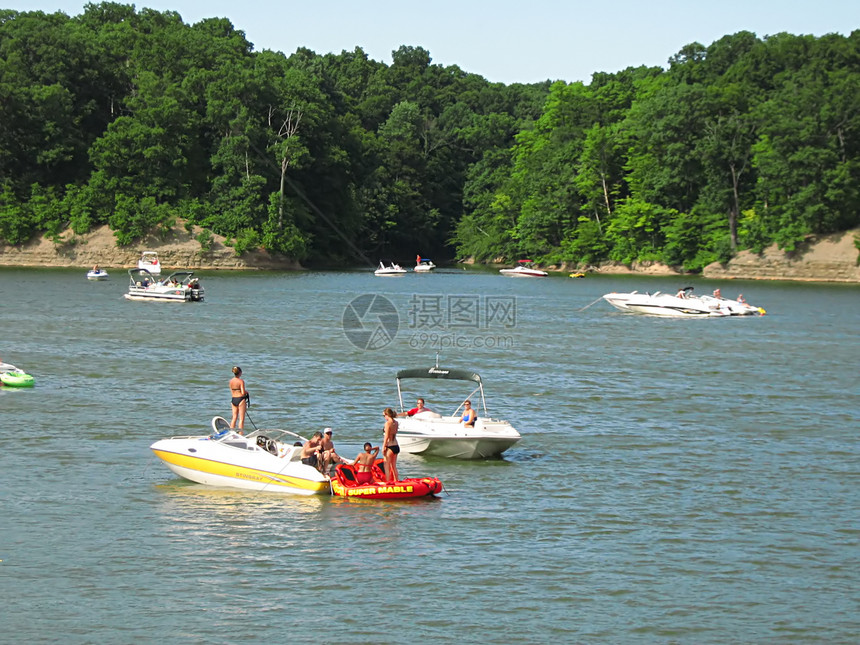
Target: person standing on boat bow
239 399
390 447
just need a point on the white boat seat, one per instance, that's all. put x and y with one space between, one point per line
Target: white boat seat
427 414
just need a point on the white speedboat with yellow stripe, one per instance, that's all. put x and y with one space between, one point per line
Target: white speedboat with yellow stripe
264 460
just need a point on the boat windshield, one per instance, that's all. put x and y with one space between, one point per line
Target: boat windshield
284 436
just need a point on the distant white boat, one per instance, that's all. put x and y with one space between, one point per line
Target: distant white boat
390 269
97 274
524 269
424 265
149 261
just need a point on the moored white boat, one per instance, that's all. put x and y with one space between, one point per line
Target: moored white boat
263 460
683 304
423 265
525 269
431 433
149 261
179 286
390 269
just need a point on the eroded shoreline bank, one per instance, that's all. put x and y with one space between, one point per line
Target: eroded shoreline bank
827 258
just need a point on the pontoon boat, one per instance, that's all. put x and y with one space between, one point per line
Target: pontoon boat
179 286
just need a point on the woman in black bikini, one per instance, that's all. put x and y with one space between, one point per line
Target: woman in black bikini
239 399
390 447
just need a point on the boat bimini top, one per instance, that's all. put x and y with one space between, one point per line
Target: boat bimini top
437 372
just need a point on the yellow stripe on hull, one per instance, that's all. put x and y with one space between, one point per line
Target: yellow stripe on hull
252 475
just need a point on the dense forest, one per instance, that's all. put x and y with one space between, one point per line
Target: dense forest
137 120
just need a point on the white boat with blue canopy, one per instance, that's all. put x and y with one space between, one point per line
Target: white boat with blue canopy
431 433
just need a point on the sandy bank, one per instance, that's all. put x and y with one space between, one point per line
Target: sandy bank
824 258
827 258
179 249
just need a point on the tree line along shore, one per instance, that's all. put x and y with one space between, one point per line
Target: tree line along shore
141 123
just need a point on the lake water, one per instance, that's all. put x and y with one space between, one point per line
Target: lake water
683 481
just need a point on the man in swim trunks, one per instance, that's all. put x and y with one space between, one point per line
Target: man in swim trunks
363 462
330 457
312 451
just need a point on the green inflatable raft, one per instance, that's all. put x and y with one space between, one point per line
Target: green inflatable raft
16 378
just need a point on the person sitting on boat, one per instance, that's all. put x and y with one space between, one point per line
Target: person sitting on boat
741 299
469 415
330 457
96 269
312 451
419 407
682 293
363 463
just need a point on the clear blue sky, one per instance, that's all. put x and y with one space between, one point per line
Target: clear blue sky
502 40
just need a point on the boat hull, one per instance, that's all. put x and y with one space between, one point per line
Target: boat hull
523 273
216 465
674 310
448 437
158 297
100 275
455 447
